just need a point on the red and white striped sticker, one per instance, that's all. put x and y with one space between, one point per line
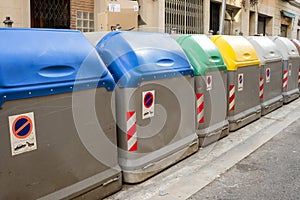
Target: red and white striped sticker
200 108
285 79
132 143
231 97
261 88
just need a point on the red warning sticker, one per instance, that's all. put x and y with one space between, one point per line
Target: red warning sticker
22 133
148 99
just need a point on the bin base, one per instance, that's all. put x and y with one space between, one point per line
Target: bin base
208 136
290 96
97 187
267 108
213 137
103 191
139 175
243 121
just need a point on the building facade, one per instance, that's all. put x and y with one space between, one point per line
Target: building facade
65 14
244 17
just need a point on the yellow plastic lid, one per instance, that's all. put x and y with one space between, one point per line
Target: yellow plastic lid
236 51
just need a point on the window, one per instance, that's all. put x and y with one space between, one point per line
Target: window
184 16
261 26
284 29
85 21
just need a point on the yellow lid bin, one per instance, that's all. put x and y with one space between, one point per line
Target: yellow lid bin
243 79
236 51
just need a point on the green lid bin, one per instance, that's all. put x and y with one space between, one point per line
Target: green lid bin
210 87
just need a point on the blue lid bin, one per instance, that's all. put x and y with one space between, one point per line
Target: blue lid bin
155 101
56 122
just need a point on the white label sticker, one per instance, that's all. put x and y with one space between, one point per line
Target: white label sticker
290 69
240 82
22 133
268 75
208 83
148 99
114 7
135 8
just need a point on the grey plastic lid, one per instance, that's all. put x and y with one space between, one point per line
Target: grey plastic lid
95 37
266 49
287 48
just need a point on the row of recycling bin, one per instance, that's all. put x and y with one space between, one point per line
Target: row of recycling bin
80 114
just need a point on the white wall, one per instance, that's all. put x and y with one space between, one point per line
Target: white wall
17 10
153 13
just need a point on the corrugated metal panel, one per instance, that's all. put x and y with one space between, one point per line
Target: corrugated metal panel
184 16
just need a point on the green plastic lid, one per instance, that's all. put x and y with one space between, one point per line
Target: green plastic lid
202 54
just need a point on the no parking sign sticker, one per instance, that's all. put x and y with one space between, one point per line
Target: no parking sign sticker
290 69
240 82
148 99
22 133
208 83
268 75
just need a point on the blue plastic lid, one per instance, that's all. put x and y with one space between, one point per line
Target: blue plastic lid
135 57
40 62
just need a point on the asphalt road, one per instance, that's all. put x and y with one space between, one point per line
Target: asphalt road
271 172
258 161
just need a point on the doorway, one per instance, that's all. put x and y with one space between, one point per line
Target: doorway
214 17
284 29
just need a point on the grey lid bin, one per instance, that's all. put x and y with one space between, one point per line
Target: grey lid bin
155 101
290 68
58 136
271 73
297 44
